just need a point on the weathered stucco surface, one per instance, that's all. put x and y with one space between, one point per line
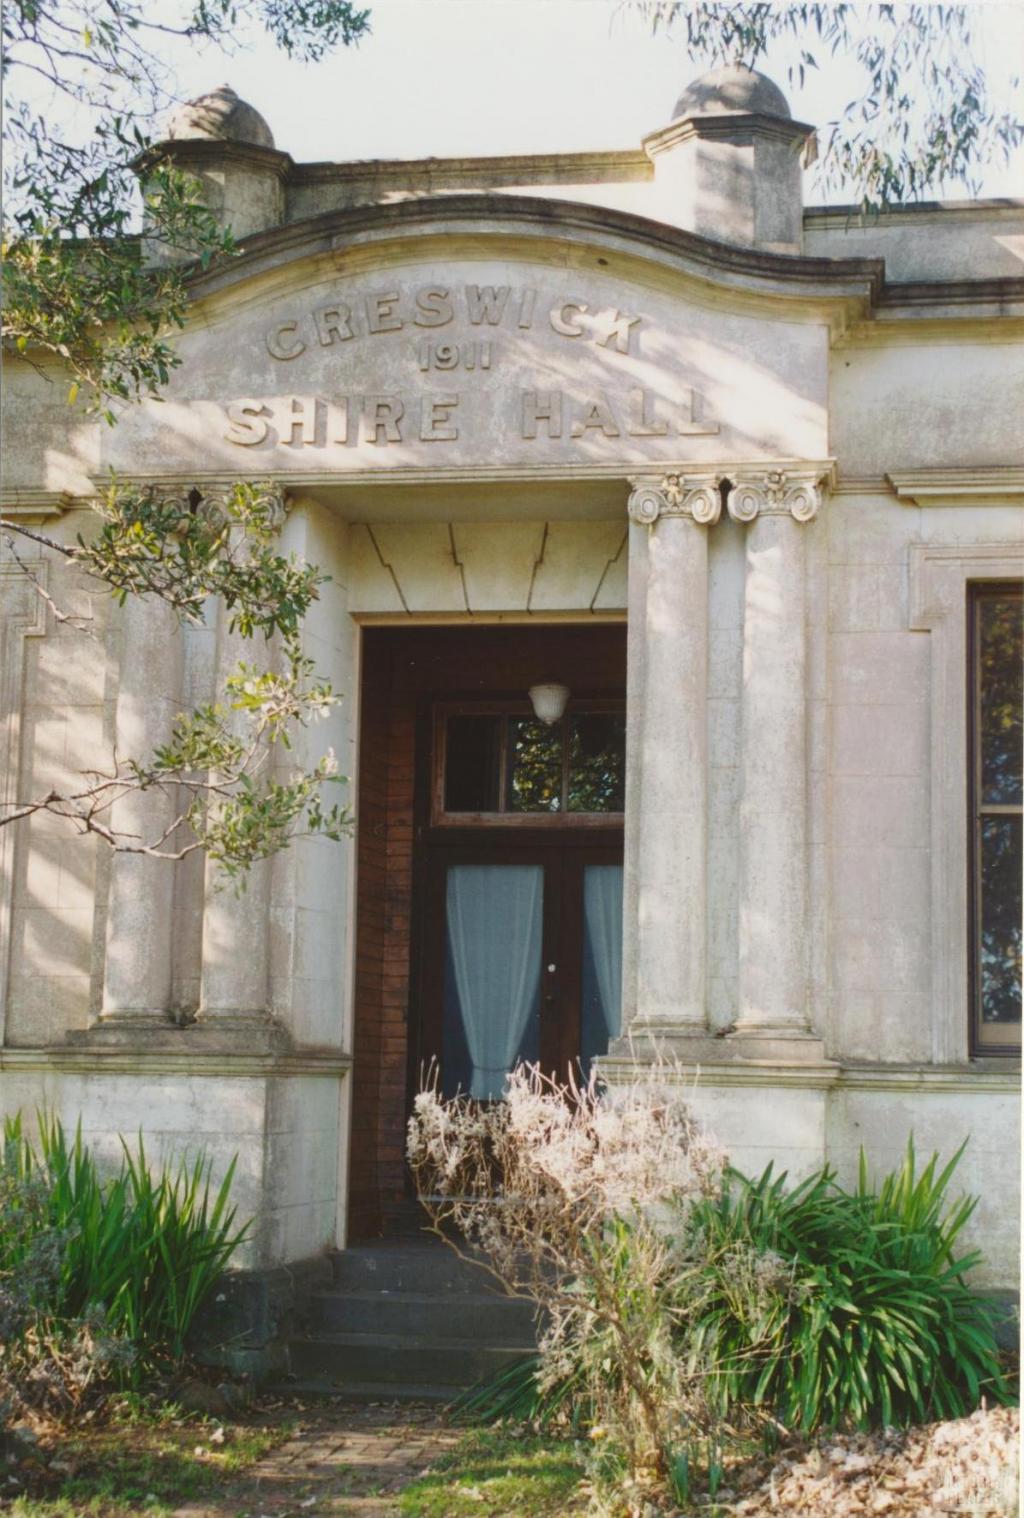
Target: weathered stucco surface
460 395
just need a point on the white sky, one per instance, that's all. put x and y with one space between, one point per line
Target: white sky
453 77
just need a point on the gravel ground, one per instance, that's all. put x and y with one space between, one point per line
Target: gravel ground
968 1467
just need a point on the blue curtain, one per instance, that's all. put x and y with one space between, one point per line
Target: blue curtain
495 917
602 959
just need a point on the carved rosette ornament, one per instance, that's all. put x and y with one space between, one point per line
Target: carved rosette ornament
776 492
676 495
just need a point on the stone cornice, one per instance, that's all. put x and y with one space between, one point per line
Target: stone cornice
777 492
976 1079
27 502
209 152
916 212
732 126
494 215
962 486
139 1059
754 272
298 481
622 165
694 494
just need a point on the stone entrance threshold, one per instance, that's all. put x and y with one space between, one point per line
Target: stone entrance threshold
347 1458
406 1319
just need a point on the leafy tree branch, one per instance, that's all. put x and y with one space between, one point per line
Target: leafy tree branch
84 83
84 86
221 772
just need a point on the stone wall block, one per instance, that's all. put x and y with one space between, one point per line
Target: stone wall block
882 740
419 555
879 811
580 563
884 668
371 585
499 561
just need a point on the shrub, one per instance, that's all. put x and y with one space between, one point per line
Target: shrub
814 1304
868 1318
565 1189
100 1277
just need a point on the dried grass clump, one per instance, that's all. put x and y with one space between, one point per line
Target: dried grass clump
567 1190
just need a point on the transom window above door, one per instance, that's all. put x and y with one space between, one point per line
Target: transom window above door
496 764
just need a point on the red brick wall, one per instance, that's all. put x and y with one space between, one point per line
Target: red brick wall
403 670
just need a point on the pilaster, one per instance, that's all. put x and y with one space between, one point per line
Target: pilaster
235 975
136 1014
137 962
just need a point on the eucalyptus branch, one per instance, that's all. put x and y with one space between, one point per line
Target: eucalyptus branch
81 304
80 624
186 548
884 144
218 772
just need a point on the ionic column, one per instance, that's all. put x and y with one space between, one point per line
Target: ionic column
666 843
636 664
137 965
776 505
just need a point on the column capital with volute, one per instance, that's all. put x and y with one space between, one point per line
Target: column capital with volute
215 496
796 491
210 497
697 496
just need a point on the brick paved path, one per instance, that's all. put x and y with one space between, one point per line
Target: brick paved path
345 1459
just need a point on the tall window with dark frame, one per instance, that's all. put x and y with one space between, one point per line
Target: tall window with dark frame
996 685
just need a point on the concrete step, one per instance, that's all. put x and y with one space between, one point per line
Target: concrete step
396 1360
506 1322
361 1391
428 1268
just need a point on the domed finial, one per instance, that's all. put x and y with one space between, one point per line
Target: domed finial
732 91
220 116
728 164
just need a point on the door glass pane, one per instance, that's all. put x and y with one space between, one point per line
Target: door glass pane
1001 687
495 918
1001 864
597 762
472 757
534 766
601 989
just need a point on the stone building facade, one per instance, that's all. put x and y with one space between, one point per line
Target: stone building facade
745 478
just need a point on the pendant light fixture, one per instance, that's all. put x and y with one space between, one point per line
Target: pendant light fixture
549 702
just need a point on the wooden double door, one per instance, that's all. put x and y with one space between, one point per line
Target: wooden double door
521 957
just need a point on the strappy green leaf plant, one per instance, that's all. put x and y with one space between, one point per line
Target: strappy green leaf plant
813 1304
141 1247
870 1319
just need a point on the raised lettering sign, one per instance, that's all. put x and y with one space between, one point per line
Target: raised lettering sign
322 421
488 365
